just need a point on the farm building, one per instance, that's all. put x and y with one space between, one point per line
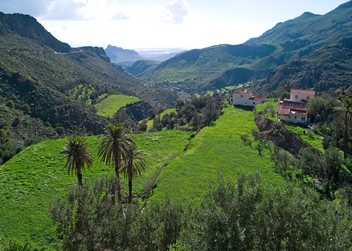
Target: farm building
294 110
246 98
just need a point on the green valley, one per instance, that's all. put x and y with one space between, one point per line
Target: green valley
228 147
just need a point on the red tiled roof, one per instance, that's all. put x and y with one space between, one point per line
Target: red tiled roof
304 92
287 111
293 105
284 111
242 91
259 97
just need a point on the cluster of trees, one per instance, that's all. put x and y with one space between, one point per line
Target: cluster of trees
241 215
116 148
195 114
333 119
327 172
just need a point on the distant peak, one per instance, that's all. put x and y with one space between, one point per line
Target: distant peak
112 47
307 13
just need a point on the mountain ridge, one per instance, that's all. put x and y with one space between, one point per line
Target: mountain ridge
207 68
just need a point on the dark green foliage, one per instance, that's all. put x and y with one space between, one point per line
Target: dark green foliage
246 216
87 220
223 219
10 104
152 113
285 95
157 126
241 215
77 155
322 108
18 130
115 147
198 112
142 127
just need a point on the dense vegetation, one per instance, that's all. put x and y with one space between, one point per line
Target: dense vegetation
241 215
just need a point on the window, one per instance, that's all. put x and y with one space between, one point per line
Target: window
253 103
303 118
296 96
241 96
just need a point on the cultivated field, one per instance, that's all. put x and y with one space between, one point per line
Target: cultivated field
109 106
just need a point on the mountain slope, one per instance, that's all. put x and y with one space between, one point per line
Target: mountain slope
324 70
59 83
201 66
28 27
141 66
309 31
215 66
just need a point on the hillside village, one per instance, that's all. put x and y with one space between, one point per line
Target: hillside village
230 147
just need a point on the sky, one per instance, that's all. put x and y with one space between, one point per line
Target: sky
162 24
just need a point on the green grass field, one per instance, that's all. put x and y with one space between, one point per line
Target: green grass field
34 177
215 150
109 106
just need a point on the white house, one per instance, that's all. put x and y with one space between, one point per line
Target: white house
246 98
301 95
294 110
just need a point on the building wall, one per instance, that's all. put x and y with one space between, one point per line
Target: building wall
298 97
242 99
294 118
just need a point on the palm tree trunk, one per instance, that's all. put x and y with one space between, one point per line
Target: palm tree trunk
79 176
130 190
345 142
118 186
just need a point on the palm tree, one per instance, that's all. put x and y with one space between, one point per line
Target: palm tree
133 166
344 110
77 156
114 147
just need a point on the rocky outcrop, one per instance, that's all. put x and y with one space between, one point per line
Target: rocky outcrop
97 50
27 26
120 55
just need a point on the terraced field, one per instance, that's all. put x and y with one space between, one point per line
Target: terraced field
109 106
215 150
34 177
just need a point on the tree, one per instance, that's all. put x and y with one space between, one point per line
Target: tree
152 113
114 146
343 111
77 156
134 166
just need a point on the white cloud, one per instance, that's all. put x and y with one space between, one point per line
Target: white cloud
31 7
120 16
176 11
64 10
81 10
